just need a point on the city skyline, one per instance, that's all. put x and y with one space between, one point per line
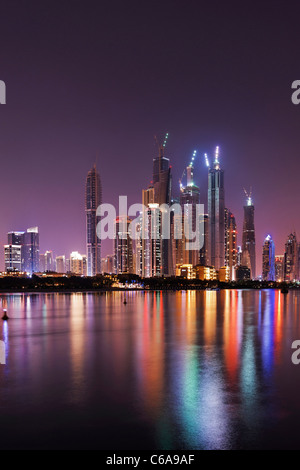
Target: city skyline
162 193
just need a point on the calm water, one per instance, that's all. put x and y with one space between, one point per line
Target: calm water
192 370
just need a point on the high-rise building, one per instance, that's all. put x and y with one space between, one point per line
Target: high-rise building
279 270
291 258
153 261
78 263
13 258
204 251
93 198
189 200
230 243
162 184
42 263
29 243
147 198
162 176
60 262
216 213
31 248
248 245
49 261
268 259
123 259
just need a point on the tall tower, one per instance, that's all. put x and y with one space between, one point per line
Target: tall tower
248 245
268 260
31 250
189 199
162 175
162 183
123 260
216 213
230 243
93 198
291 258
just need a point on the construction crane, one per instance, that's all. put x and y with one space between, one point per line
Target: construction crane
248 196
206 160
190 165
162 146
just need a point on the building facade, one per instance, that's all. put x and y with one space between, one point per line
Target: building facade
93 199
216 213
248 244
268 259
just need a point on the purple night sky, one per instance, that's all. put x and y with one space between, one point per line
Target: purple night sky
91 80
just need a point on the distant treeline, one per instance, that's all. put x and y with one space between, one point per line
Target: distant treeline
76 283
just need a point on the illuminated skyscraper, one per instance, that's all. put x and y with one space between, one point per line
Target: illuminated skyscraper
268 260
147 198
291 258
162 176
29 243
230 243
279 271
248 246
204 251
93 198
155 243
162 183
13 257
78 264
60 262
123 259
189 199
13 251
49 261
31 249
216 213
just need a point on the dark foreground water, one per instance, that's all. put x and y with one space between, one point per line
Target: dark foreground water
192 370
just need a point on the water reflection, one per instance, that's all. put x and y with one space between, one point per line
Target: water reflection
168 370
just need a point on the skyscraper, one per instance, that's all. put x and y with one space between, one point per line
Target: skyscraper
279 271
147 198
216 213
123 259
78 263
13 258
291 258
154 246
268 259
49 261
230 243
93 198
162 181
248 245
162 176
189 199
204 251
60 262
31 250
13 251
